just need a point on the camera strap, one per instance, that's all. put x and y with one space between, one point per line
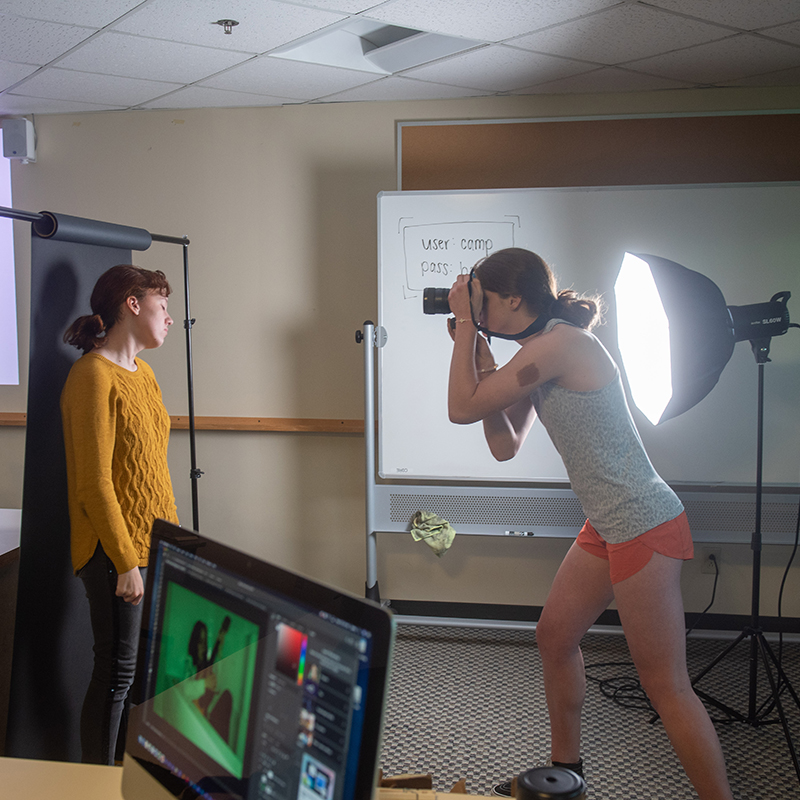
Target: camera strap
537 325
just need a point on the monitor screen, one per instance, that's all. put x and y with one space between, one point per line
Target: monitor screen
254 682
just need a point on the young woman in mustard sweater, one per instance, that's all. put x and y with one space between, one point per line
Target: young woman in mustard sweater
116 432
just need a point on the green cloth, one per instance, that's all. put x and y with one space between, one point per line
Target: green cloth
436 532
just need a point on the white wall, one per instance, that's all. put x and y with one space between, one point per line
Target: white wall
280 207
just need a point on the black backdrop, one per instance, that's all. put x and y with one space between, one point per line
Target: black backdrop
52 658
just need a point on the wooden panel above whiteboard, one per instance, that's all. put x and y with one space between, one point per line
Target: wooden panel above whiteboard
509 154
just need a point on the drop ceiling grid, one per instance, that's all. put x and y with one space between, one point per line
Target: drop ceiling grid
57 56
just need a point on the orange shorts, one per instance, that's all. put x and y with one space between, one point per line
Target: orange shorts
673 539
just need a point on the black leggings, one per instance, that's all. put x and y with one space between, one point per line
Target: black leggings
115 626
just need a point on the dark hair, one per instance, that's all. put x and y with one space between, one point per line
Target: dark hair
110 292
515 272
199 660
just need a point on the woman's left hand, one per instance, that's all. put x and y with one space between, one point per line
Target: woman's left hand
130 586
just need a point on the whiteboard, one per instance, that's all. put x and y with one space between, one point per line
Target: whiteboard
746 238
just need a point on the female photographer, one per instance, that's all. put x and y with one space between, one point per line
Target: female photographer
636 536
116 431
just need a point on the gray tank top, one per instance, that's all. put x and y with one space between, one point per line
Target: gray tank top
621 493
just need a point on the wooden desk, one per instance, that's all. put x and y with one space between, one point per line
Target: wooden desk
31 779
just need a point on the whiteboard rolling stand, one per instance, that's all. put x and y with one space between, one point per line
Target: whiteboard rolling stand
371 339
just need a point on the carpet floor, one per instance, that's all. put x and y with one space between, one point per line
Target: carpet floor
469 703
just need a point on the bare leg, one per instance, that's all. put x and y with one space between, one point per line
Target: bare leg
581 591
651 611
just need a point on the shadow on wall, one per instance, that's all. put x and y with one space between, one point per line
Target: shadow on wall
330 383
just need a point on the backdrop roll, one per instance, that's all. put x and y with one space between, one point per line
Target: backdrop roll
62 228
52 659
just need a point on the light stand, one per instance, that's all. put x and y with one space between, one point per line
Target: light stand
759 646
680 316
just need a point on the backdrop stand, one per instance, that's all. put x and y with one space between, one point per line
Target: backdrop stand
188 324
52 642
194 473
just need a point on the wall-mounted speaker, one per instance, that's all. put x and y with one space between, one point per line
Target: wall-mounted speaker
19 139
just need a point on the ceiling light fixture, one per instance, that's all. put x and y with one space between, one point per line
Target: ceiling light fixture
226 24
370 46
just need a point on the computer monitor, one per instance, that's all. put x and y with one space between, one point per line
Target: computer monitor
254 683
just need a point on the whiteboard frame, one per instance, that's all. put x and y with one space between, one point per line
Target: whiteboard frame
740 477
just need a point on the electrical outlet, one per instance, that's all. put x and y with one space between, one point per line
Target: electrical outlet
710 555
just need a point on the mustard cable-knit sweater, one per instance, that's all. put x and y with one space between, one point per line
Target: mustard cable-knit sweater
116 432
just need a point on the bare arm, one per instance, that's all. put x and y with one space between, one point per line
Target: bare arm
505 431
471 399
477 392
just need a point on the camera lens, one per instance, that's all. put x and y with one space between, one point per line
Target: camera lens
435 300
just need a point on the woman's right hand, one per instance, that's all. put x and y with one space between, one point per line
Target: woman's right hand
459 298
130 586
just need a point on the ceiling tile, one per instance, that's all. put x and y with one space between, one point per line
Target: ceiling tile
13 73
17 104
738 56
206 97
787 33
152 59
399 88
291 79
85 87
488 21
93 14
621 34
497 68
785 77
605 79
35 42
348 6
263 24
745 14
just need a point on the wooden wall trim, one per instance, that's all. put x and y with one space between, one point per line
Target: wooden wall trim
600 152
254 424
271 424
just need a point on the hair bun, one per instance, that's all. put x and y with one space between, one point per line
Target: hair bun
95 325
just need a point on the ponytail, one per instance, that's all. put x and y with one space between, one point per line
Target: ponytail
86 332
585 312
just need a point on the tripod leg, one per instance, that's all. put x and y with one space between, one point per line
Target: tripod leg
766 654
731 713
743 635
779 669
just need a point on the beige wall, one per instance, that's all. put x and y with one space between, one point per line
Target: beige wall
280 207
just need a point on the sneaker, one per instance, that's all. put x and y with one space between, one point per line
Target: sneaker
502 789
